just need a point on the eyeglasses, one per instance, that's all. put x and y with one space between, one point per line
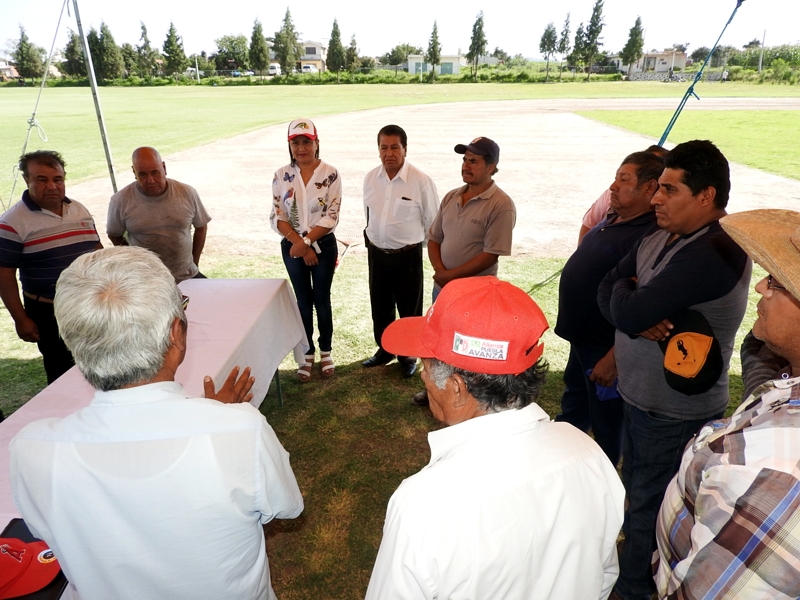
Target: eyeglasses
185 301
772 285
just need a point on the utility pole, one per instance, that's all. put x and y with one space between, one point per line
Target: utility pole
761 58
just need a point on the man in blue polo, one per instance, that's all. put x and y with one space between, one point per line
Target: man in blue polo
40 236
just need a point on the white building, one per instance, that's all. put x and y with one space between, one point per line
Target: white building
652 62
450 64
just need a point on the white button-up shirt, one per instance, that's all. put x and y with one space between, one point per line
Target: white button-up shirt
147 493
510 506
399 211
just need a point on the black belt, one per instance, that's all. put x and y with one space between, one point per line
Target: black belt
391 251
38 298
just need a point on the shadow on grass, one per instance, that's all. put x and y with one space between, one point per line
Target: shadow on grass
22 379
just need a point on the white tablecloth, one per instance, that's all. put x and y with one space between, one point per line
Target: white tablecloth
245 322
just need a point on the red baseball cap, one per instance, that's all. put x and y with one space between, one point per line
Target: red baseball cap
302 127
479 324
25 567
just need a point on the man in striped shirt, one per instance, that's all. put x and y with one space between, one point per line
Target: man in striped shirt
40 236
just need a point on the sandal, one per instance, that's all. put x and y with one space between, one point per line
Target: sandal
326 363
304 370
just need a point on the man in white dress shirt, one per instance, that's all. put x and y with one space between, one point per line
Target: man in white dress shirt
511 505
148 493
400 202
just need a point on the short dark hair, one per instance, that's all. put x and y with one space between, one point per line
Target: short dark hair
703 166
394 130
49 158
496 393
648 166
657 150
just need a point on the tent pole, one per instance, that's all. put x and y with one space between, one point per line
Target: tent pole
87 56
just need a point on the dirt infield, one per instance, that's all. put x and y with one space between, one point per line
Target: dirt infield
553 163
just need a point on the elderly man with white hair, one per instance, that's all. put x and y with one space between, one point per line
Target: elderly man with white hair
147 492
730 521
511 504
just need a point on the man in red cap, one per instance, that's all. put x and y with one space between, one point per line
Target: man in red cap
511 504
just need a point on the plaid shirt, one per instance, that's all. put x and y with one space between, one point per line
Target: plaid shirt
729 526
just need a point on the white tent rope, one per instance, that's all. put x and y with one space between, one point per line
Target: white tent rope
33 122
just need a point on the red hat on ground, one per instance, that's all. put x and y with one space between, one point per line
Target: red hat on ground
479 324
25 567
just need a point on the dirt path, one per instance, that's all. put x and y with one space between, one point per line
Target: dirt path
553 164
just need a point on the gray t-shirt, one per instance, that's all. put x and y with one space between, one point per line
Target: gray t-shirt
162 224
483 224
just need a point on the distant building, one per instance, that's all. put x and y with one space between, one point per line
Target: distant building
652 62
7 70
450 64
314 54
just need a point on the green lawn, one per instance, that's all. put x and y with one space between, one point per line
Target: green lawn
177 118
764 139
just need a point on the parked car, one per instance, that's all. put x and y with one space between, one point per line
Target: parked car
274 69
310 69
236 73
248 73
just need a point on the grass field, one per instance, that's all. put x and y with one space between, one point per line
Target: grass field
177 118
763 139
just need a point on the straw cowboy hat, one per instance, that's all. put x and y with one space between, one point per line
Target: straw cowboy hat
771 237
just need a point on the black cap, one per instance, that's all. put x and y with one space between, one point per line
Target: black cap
482 146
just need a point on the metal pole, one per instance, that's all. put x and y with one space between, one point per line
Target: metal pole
196 69
93 82
761 58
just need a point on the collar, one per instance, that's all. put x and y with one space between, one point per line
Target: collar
141 394
443 441
643 218
28 201
485 195
402 174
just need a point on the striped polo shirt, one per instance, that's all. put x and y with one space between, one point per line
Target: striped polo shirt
41 244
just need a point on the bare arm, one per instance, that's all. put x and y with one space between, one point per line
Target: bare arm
9 292
584 230
198 242
435 256
118 240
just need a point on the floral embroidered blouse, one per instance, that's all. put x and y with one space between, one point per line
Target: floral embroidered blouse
306 206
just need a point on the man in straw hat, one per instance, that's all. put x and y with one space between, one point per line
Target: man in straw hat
677 300
730 520
511 504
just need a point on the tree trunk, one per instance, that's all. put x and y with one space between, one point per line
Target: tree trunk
547 72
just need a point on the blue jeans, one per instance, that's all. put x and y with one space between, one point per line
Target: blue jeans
652 447
312 288
581 407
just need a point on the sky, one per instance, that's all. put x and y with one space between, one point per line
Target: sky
516 27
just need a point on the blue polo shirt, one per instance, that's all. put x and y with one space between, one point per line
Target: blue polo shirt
41 244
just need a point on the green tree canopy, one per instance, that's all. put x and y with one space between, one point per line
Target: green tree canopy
148 56
500 54
592 43
564 45
752 44
74 63
477 45
434 54
106 55
336 59
259 51
352 61
232 52
548 46
399 54
634 46
699 54
28 58
129 58
174 56
286 45
577 56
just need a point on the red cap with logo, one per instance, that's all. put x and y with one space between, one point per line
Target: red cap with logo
479 324
25 567
302 127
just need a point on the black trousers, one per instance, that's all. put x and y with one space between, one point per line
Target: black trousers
395 282
57 359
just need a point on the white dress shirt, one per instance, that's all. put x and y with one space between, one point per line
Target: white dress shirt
511 506
147 493
399 211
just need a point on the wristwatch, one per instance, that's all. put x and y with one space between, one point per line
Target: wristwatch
306 241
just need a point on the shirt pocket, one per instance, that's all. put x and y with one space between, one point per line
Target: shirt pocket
404 209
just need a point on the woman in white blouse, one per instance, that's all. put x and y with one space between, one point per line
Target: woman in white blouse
306 195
